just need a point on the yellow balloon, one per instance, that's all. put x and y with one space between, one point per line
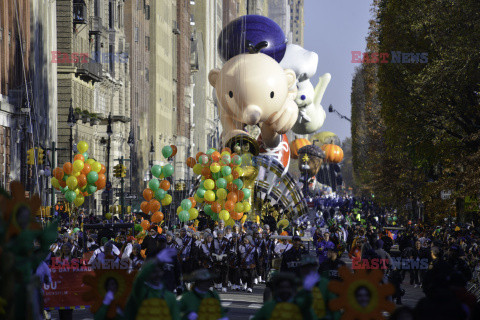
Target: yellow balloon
76 173
79 200
179 209
209 195
108 215
215 167
229 178
197 169
239 207
246 206
167 200
72 183
90 161
239 170
96 166
224 215
78 165
197 198
193 213
82 146
55 183
230 222
77 191
221 194
209 185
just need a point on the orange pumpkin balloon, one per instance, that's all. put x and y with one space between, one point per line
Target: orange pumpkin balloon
101 180
174 150
333 153
154 205
148 194
144 207
192 200
145 224
86 169
165 185
103 170
79 157
216 207
67 168
157 217
82 180
191 162
296 145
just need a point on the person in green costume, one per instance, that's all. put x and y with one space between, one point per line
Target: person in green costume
287 303
320 293
149 298
201 303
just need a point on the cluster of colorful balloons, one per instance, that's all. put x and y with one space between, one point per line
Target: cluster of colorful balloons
81 178
221 189
156 194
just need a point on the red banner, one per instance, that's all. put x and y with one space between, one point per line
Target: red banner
66 289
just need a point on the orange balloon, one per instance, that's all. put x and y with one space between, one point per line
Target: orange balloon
85 193
205 171
62 183
232 196
284 233
198 155
236 215
216 207
191 162
79 157
154 205
58 173
227 149
86 169
160 230
144 207
103 170
174 150
67 168
240 195
215 156
82 180
229 205
145 224
157 217
194 203
148 194
101 180
235 174
165 185
232 187
101 186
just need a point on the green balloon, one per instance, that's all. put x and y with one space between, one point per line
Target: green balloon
216 175
221 183
167 151
214 216
75 230
208 209
186 204
70 195
246 193
154 184
239 183
156 170
226 171
65 177
183 216
138 228
85 155
168 170
91 188
201 192
210 151
92 177
63 190
160 194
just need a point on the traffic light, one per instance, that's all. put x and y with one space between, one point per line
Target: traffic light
117 171
124 171
41 156
30 156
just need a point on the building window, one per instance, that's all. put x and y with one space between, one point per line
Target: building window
136 34
111 59
147 12
147 43
147 75
111 16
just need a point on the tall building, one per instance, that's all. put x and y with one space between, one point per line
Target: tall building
138 17
279 11
259 7
297 22
93 78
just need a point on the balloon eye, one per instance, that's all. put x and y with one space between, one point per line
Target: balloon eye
272 94
303 97
230 94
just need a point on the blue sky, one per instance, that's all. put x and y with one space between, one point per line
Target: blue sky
333 29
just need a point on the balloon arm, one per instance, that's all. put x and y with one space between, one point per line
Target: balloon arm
270 138
321 87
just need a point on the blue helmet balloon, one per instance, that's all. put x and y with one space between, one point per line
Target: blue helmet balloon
252 33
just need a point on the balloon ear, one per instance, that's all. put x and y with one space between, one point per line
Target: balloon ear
291 77
213 76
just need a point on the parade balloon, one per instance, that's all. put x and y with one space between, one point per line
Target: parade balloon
101 181
148 194
191 162
186 204
208 209
193 213
91 188
85 156
193 201
238 183
72 182
239 207
167 170
232 196
145 224
167 200
86 169
96 166
70 196
157 217
229 205
200 192
156 170
197 168
184 216
108 215
160 194
78 157
203 159
154 205
246 206
174 150
103 170
78 165
167 151
92 177
55 183
82 180
82 146
247 33
144 207
226 159
90 161
215 167
165 185
221 183
216 207
79 200
154 184
226 171
215 156
246 193
224 215
209 184
58 173
197 157
209 195
221 193
67 168
333 153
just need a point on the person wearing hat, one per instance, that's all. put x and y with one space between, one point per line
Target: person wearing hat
185 249
152 242
220 254
149 297
320 294
207 249
201 302
248 262
323 246
233 262
329 268
228 232
292 257
286 302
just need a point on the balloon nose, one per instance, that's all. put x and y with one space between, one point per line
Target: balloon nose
252 114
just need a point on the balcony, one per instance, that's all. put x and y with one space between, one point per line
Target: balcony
90 70
95 25
79 12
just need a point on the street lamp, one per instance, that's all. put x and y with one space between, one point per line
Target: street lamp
71 121
331 109
108 186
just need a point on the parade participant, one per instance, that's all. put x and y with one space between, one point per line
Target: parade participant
221 226
257 242
171 243
149 297
151 243
228 232
233 262
220 268
292 257
184 251
207 249
323 246
320 293
329 268
248 262
201 302
105 257
104 240
268 250
282 246
135 258
286 303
